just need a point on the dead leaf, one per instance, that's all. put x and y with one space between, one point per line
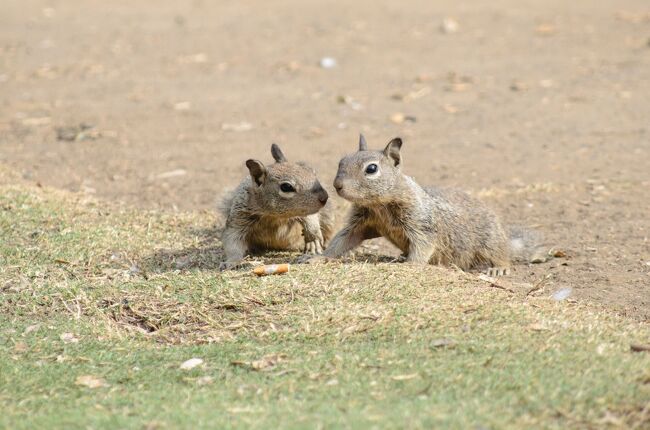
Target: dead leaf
69 338
171 174
404 377
191 363
636 347
32 328
263 364
438 343
205 380
20 347
91 381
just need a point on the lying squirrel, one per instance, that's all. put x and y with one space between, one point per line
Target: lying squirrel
279 207
429 225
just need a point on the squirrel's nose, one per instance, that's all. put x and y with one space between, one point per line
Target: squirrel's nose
322 197
321 193
338 184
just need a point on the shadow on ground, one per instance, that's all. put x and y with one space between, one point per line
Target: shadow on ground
208 253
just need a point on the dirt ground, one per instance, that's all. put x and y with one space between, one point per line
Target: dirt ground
542 108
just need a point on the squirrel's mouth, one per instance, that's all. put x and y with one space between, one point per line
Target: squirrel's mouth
342 193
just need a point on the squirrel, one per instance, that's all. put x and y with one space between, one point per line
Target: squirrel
281 206
429 225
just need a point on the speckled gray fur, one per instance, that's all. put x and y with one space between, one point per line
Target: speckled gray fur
429 225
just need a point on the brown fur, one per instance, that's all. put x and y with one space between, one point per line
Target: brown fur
260 216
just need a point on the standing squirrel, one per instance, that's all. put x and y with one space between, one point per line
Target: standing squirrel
429 225
281 206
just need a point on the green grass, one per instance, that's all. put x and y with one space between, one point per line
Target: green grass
356 345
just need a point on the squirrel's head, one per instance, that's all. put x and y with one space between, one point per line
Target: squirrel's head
285 189
367 177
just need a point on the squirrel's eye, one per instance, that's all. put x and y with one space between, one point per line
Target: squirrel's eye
286 187
371 168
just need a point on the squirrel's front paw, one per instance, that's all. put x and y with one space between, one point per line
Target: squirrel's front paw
314 247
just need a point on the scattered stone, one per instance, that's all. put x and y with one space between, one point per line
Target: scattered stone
31 328
239 126
545 29
172 174
538 327
518 86
449 25
265 363
205 380
48 12
199 58
399 118
562 294
191 363
75 133
44 120
450 108
457 87
633 18
182 106
423 77
327 63
69 338
440 343
20 347
348 100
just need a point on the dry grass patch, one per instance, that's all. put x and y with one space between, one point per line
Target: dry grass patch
109 294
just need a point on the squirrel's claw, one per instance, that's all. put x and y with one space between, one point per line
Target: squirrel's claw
314 247
497 271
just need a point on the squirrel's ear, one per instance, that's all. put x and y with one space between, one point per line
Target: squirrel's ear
392 150
257 171
363 146
278 156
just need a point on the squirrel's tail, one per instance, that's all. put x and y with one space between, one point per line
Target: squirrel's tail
526 245
224 203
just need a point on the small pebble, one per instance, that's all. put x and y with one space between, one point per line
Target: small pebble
182 106
562 294
327 62
518 86
172 174
545 29
449 25
69 338
240 126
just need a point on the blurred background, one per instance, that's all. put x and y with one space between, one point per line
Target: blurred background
540 107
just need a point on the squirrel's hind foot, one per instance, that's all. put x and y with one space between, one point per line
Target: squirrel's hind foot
498 271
